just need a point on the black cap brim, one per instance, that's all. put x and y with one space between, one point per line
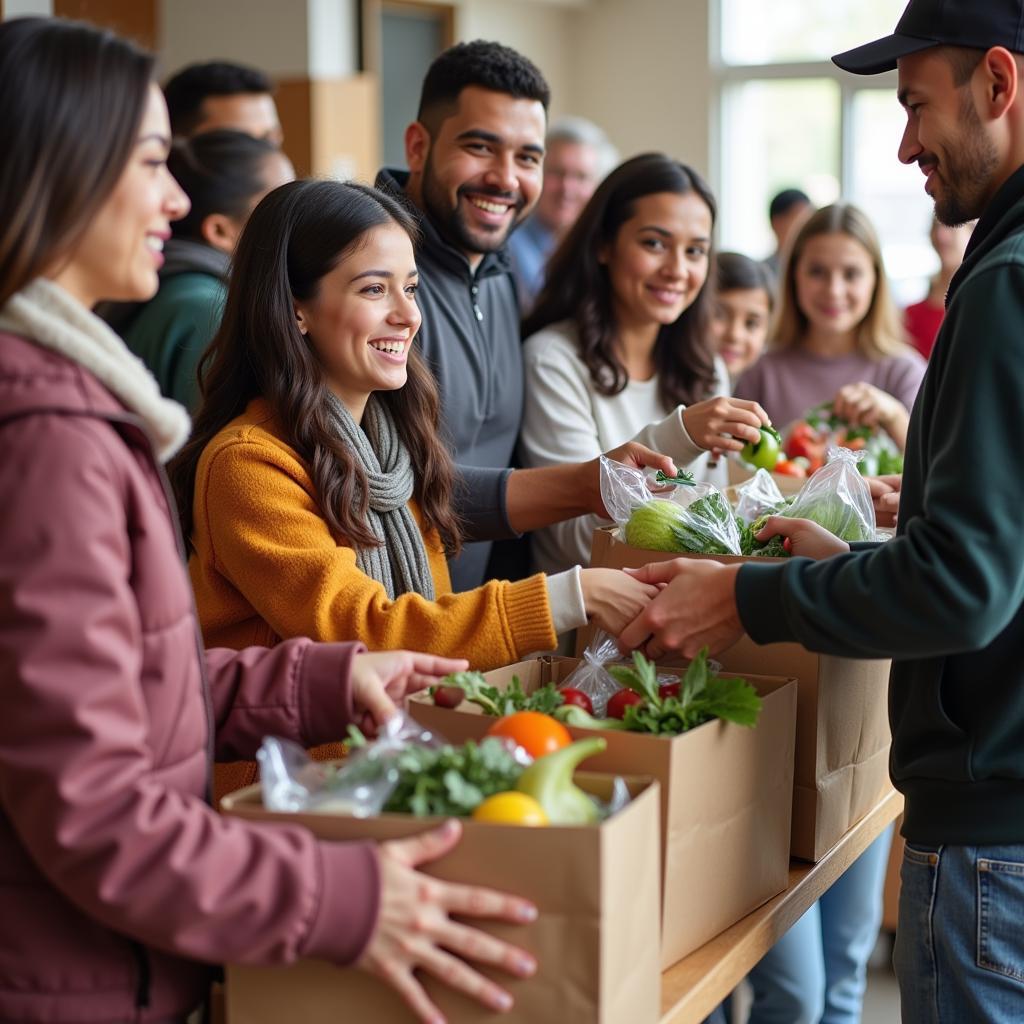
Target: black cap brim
881 55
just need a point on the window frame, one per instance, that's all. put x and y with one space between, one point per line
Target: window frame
726 75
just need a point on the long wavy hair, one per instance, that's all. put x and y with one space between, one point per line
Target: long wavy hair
71 102
295 236
880 333
578 289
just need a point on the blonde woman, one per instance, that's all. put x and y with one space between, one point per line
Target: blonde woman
837 336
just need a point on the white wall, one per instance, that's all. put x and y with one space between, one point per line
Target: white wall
638 68
271 36
544 32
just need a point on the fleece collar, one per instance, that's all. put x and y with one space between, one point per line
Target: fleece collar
46 314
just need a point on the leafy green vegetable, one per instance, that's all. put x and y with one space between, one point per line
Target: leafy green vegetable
707 526
503 702
681 477
828 509
446 780
702 696
750 545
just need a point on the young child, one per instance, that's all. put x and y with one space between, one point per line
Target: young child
837 336
741 311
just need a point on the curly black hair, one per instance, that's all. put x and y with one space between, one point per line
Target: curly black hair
485 64
186 90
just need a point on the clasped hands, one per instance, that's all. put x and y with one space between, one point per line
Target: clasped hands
691 602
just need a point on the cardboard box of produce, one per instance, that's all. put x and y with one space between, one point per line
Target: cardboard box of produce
595 939
726 798
842 721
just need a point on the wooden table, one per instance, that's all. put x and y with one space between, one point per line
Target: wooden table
697 984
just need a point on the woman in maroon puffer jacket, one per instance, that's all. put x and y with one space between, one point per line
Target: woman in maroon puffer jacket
119 883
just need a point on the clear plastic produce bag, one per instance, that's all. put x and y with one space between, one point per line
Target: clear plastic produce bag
758 496
592 677
837 497
691 517
360 787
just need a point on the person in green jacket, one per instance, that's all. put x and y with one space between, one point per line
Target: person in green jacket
945 598
224 174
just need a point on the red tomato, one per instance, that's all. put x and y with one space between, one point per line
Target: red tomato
537 734
787 467
619 701
448 696
803 447
573 696
668 690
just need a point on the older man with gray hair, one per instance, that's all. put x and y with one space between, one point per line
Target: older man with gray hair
577 156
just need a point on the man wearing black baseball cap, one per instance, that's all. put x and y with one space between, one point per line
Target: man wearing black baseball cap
945 598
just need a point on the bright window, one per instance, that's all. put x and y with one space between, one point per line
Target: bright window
781 31
789 118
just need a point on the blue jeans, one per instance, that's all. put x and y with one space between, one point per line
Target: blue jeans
817 971
960 945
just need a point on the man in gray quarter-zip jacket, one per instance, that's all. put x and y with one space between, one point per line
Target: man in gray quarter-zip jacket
475 155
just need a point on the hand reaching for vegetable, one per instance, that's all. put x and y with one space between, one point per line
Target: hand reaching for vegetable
380 681
864 404
613 598
885 493
724 424
415 932
806 538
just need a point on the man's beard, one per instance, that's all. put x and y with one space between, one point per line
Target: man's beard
451 224
967 172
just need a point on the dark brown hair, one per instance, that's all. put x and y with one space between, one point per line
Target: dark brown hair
295 236
578 289
71 102
483 64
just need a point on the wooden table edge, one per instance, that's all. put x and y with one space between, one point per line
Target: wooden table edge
692 988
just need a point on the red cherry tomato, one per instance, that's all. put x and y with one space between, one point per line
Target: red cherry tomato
618 702
573 696
448 696
668 690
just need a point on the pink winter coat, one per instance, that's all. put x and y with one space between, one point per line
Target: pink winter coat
118 883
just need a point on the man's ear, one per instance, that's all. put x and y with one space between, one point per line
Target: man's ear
417 146
1001 80
220 232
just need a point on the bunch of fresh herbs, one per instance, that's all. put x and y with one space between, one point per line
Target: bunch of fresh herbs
703 695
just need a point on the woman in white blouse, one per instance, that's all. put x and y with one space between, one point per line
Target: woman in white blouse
618 346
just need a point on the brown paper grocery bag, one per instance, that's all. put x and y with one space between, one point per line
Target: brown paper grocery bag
842 724
726 799
595 940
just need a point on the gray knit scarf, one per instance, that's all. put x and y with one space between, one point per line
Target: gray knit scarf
400 564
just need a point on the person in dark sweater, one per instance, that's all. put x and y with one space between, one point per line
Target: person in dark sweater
945 598
224 174
475 155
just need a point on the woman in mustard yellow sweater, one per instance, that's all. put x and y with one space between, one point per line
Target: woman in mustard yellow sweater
316 492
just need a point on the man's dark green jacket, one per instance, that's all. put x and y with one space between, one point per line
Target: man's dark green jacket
943 598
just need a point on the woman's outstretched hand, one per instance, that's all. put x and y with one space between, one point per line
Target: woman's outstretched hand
415 930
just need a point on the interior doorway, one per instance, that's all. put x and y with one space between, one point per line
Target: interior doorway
411 36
